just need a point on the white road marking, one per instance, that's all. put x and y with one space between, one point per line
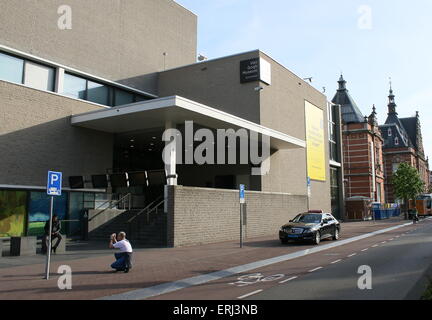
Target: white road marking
168 287
365 249
374 246
250 294
286 280
352 255
384 242
336 261
316 269
391 239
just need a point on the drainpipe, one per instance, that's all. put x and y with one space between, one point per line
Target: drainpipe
373 170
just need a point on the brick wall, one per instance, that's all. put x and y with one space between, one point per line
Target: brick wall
198 215
36 136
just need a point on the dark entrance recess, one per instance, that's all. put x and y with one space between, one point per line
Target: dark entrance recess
137 153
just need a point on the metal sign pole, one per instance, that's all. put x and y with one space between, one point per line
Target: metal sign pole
241 225
48 258
242 201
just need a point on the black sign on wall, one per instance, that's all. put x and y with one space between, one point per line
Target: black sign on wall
250 70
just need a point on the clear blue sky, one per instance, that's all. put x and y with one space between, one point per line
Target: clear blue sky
321 38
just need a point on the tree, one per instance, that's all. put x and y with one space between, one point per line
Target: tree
407 184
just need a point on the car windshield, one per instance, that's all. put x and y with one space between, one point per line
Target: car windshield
308 218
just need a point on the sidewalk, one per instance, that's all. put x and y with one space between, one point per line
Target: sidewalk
22 277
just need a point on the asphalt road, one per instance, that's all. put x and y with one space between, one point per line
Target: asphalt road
400 261
400 269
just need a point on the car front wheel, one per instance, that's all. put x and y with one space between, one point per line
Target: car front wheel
317 239
284 241
336 234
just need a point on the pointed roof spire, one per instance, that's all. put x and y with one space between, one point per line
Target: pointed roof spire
373 120
392 103
350 112
342 83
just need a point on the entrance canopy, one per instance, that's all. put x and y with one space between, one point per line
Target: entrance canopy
177 110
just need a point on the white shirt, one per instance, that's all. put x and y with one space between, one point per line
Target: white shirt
123 245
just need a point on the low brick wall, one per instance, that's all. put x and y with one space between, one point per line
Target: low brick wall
201 215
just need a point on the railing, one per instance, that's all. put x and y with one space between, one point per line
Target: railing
124 203
152 207
149 209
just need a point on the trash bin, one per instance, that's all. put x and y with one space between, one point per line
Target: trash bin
376 210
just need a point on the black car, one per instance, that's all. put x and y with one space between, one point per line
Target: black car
310 226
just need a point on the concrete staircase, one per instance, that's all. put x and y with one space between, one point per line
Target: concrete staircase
143 231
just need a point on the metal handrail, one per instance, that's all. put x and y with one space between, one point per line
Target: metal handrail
146 209
105 202
114 204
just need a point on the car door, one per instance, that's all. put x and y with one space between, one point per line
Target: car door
328 226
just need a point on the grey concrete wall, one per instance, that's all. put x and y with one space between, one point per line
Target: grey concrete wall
198 215
97 219
282 107
36 136
120 40
215 83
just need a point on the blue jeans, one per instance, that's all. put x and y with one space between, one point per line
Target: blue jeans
123 261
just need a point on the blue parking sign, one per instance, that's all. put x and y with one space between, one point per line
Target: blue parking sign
54 183
242 193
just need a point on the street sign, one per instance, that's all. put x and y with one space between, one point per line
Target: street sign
242 193
54 183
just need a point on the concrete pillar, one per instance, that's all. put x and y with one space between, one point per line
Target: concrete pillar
22 246
170 158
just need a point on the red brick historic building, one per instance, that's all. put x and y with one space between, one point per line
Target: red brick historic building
362 149
402 143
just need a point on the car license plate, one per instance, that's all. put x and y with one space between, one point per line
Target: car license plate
293 235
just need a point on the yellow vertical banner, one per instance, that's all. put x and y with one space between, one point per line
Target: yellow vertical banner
315 142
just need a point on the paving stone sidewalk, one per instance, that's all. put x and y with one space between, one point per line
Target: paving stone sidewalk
22 277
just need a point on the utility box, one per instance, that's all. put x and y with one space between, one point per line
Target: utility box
358 209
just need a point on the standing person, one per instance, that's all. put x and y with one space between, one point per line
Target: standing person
55 234
124 257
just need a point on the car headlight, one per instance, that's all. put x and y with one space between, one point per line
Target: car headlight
309 230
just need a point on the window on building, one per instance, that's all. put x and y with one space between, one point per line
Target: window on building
332 133
39 76
139 98
123 97
396 141
395 167
11 68
389 132
378 192
334 189
74 86
98 93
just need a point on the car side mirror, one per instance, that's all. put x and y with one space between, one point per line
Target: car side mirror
290 221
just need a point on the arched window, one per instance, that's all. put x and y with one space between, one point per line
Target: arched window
389 132
396 141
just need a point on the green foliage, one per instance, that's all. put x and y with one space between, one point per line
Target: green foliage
407 182
427 295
